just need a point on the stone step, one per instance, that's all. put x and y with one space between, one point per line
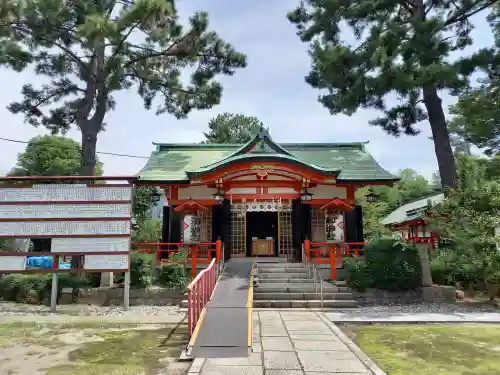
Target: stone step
284 275
281 270
270 266
283 304
343 296
281 281
298 288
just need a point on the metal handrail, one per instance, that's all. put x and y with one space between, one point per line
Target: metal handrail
312 273
317 273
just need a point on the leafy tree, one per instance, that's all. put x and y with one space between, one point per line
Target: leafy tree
468 218
412 186
477 115
50 155
232 128
402 52
89 50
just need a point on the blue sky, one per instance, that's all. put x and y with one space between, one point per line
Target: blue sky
271 88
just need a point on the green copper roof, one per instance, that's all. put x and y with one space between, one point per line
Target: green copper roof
413 210
349 162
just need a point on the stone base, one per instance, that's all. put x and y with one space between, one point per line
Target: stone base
114 296
439 293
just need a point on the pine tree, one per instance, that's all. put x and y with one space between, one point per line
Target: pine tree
89 50
400 50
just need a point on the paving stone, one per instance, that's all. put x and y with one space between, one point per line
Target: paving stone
318 327
308 317
254 359
281 360
266 331
256 348
332 345
196 365
301 335
282 344
285 372
331 362
272 323
334 373
232 370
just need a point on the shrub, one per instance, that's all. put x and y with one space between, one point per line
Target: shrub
441 271
393 265
141 269
35 288
174 275
455 268
358 276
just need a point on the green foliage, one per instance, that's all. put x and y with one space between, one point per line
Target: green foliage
142 269
393 265
119 44
148 230
492 271
358 275
142 201
411 187
469 215
232 128
35 288
364 53
173 275
50 155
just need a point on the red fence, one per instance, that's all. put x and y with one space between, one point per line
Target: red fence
199 293
200 253
332 254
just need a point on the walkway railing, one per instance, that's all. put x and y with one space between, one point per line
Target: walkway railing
200 253
199 292
313 275
332 254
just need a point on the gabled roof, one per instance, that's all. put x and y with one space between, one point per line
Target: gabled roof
349 162
412 210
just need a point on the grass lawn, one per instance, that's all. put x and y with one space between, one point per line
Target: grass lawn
92 349
431 349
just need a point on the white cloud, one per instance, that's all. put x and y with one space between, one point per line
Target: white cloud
271 88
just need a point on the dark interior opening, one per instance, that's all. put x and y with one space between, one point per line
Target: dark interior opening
262 225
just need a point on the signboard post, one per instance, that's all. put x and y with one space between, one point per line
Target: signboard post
89 220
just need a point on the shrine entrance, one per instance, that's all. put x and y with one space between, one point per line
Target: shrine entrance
262 233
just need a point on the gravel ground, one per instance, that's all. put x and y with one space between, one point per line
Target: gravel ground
9 308
434 308
10 312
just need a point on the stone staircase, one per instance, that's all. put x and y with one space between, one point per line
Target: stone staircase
286 285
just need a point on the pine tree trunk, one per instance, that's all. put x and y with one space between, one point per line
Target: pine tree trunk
87 168
88 158
441 137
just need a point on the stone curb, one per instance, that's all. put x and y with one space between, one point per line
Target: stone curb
372 366
402 322
68 319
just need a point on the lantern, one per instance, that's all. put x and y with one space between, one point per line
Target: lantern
191 228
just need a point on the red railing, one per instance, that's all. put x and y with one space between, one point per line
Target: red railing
199 293
200 253
332 254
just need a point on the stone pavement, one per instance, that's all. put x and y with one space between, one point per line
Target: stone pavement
293 343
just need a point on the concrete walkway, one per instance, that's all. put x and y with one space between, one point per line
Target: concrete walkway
293 343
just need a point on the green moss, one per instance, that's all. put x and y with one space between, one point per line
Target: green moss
432 349
125 349
125 352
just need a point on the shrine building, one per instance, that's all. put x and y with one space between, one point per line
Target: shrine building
263 198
